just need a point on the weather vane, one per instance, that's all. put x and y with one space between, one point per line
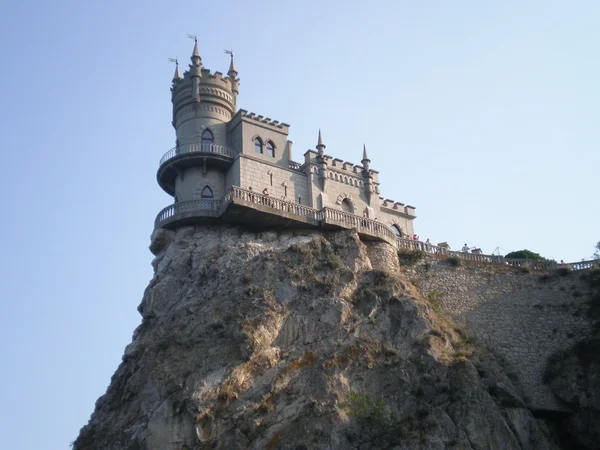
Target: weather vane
229 52
193 36
174 60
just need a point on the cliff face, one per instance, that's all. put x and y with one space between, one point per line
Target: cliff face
299 340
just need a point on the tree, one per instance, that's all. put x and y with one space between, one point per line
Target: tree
597 252
525 254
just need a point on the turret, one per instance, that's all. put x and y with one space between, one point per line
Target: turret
177 76
321 161
196 71
235 81
367 175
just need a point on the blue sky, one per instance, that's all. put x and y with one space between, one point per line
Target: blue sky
483 115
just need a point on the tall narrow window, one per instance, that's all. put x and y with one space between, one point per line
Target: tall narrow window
206 192
270 149
285 191
258 145
299 200
271 178
207 140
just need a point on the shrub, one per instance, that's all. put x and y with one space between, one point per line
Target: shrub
563 271
454 261
409 257
525 254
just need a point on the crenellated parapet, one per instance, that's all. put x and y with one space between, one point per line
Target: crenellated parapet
397 207
281 126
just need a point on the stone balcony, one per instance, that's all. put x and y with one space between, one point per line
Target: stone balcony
189 155
256 210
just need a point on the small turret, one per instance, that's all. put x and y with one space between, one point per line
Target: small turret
367 175
320 145
177 76
196 71
321 161
366 162
235 81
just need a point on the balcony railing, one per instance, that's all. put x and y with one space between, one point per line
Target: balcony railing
312 214
542 266
197 148
362 224
203 207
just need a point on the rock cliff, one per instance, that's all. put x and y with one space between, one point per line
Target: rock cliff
299 340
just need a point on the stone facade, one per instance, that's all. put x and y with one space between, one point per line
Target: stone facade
524 318
224 148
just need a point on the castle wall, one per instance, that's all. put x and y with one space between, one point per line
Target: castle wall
254 173
522 318
336 190
194 180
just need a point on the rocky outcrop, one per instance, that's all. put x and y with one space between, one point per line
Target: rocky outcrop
574 377
299 340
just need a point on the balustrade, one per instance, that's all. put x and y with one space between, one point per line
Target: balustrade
198 148
203 207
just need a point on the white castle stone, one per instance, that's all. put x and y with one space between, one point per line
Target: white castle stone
219 150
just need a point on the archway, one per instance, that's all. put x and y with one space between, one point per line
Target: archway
397 231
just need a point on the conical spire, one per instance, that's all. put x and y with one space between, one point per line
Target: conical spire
365 156
177 75
320 145
232 68
196 59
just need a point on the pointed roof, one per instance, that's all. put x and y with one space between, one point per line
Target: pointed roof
320 142
365 156
176 75
196 51
196 59
232 66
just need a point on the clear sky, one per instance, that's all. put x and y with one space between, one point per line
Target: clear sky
483 115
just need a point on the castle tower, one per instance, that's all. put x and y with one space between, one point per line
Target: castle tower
203 104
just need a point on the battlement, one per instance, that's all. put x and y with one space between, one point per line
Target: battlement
341 165
264 120
397 207
216 77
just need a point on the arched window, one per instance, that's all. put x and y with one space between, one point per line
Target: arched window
258 145
207 140
396 230
206 192
347 206
270 149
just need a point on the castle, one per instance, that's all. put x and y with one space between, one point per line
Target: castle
233 166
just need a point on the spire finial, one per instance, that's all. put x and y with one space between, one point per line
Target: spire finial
365 156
